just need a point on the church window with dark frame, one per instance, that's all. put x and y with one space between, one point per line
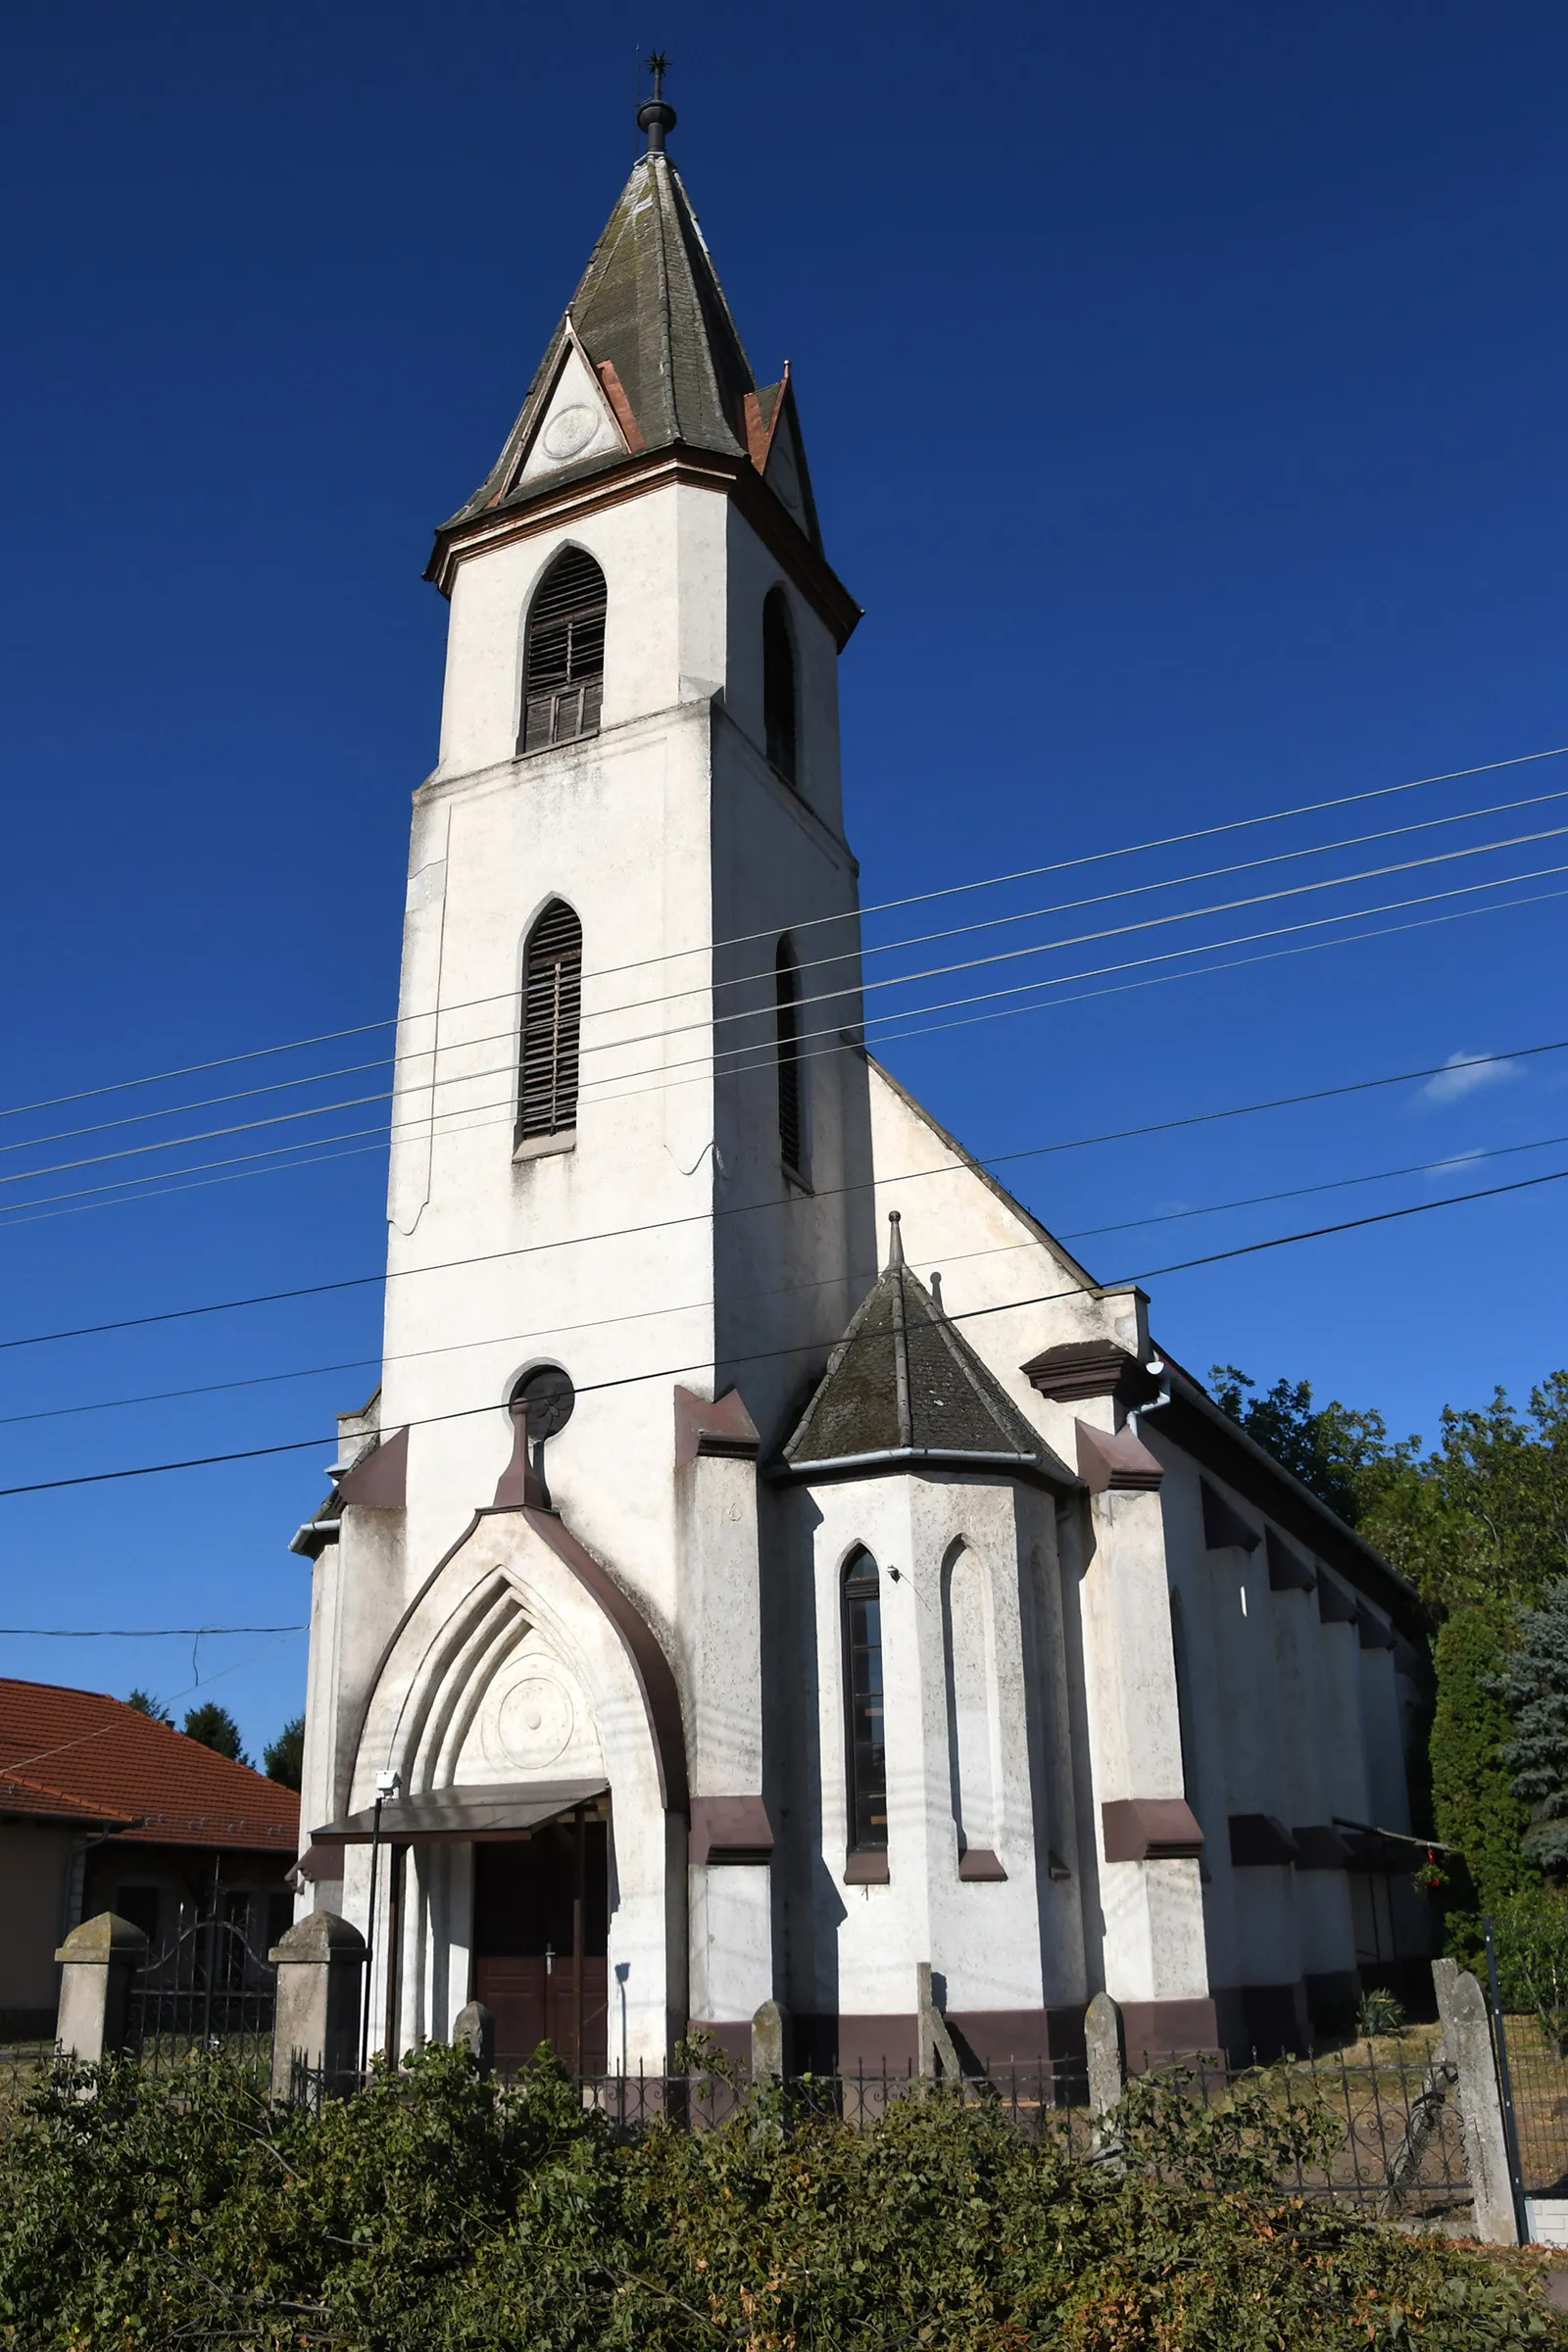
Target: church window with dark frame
863 1690
564 662
780 723
787 1013
552 1021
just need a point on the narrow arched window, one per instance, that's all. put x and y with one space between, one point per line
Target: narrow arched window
551 1018
563 665
862 1683
778 683
786 1002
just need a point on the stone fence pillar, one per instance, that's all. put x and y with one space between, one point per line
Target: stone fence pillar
473 2029
99 1960
770 2042
1467 2047
1102 2049
316 2024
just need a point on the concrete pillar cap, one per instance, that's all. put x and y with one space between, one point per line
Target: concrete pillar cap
103 1938
319 1937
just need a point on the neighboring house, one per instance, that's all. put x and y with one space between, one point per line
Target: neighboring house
105 1810
745 1616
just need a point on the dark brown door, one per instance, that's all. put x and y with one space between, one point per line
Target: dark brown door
541 1916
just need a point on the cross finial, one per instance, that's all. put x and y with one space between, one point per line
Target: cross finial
656 115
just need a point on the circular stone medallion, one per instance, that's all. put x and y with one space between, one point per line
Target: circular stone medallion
535 1721
569 432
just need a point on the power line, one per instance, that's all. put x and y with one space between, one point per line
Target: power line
320 1151
767 1047
250 1453
651 1314
438 1012
350 1282
881 907
136 1632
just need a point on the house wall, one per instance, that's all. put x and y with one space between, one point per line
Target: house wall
34 1862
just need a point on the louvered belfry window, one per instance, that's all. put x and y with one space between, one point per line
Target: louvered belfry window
862 1680
778 683
564 672
551 1020
787 991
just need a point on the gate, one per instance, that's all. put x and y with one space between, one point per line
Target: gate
208 1990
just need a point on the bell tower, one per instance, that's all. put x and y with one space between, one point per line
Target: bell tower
630 1131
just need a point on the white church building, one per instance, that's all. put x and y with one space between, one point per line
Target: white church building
770 1564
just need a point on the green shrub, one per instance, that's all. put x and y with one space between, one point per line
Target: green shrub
1531 1940
435 2213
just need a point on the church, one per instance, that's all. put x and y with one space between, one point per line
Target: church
773 1576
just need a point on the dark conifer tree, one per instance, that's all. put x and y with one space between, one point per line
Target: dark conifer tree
1534 1686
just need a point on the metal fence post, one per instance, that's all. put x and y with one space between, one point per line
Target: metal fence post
1468 2045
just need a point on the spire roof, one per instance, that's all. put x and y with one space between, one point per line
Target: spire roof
903 1382
650 320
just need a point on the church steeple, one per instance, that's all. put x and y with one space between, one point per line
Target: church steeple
646 359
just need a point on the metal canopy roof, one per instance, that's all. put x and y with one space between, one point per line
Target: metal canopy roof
465 1812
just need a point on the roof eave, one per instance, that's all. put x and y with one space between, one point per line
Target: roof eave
1328 1531
556 500
900 1460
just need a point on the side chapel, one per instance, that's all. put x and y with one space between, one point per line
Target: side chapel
772 1566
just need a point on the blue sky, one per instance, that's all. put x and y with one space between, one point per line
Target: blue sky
1184 393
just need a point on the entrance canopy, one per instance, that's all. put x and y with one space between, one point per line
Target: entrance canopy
510 1811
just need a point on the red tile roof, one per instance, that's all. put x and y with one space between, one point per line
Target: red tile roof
79 1755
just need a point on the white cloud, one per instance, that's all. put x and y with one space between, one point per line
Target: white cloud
1438 1168
1462 1074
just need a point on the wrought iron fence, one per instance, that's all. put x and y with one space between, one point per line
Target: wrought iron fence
1393 2109
207 1991
1538 2080
1389 2112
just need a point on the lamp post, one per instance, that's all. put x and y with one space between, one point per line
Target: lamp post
387 1784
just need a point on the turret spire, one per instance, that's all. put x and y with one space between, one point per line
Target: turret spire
654 116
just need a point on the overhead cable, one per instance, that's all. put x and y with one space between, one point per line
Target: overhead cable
249 1453
997 1160
767 1048
648 1314
880 907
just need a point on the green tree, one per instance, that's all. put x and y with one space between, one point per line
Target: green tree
1533 1688
1485 1514
213 1726
284 1758
142 1702
1336 1449
1473 1802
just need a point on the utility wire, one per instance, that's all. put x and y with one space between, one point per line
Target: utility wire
352 1281
310 1153
648 1314
251 1453
508 1036
767 1047
134 1633
881 907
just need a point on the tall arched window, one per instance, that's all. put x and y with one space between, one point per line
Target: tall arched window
778 683
787 1001
551 1018
863 1684
564 666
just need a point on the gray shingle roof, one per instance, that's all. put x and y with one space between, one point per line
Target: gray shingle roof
650 304
903 1380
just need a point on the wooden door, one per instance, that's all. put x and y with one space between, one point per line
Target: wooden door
526 1918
